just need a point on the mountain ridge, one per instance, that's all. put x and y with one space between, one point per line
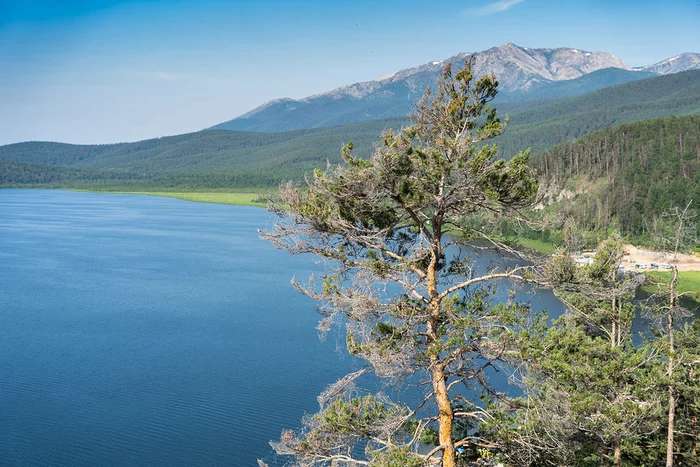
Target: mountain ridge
683 62
522 72
222 159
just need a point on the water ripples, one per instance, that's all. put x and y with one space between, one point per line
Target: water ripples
146 335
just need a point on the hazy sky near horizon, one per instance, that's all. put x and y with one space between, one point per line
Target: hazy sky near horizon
102 71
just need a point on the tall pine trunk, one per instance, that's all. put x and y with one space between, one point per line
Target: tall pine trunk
694 425
446 415
618 453
437 370
671 389
614 341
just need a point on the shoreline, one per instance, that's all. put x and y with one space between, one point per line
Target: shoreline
633 254
211 197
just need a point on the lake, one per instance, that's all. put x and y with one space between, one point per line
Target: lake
149 331
142 331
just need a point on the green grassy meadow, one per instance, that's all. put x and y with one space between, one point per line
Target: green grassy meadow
688 283
241 199
539 246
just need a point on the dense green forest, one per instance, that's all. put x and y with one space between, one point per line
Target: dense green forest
204 151
20 175
544 125
205 160
625 177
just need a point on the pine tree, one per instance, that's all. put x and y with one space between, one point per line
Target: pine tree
395 219
590 393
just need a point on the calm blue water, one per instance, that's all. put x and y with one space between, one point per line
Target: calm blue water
144 331
137 330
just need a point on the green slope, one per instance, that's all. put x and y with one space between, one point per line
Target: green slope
544 124
225 159
624 177
585 84
207 159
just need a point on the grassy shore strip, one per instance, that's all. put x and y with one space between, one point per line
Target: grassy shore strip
240 199
538 246
688 282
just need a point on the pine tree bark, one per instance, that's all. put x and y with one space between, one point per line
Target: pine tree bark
671 389
614 331
446 414
437 370
618 453
694 425
614 340
619 317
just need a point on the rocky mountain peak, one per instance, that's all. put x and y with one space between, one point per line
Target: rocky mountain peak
521 72
682 62
518 68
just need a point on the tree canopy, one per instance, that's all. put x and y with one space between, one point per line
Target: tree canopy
393 222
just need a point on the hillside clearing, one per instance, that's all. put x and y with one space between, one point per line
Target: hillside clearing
637 255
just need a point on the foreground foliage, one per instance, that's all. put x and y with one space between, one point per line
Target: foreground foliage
399 235
596 393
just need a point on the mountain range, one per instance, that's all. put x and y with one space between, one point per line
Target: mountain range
567 105
550 96
523 73
229 159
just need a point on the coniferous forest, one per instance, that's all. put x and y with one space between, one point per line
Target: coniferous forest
624 178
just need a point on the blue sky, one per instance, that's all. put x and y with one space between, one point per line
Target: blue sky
100 71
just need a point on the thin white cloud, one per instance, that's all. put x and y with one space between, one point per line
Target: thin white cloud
164 75
157 75
492 8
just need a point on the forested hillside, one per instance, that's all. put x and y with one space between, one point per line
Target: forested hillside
546 124
228 160
625 177
203 160
19 174
585 84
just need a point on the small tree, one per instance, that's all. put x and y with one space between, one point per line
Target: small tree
384 221
688 391
603 293
589 390
676 235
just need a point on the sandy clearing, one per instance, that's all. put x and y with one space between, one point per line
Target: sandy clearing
640 256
